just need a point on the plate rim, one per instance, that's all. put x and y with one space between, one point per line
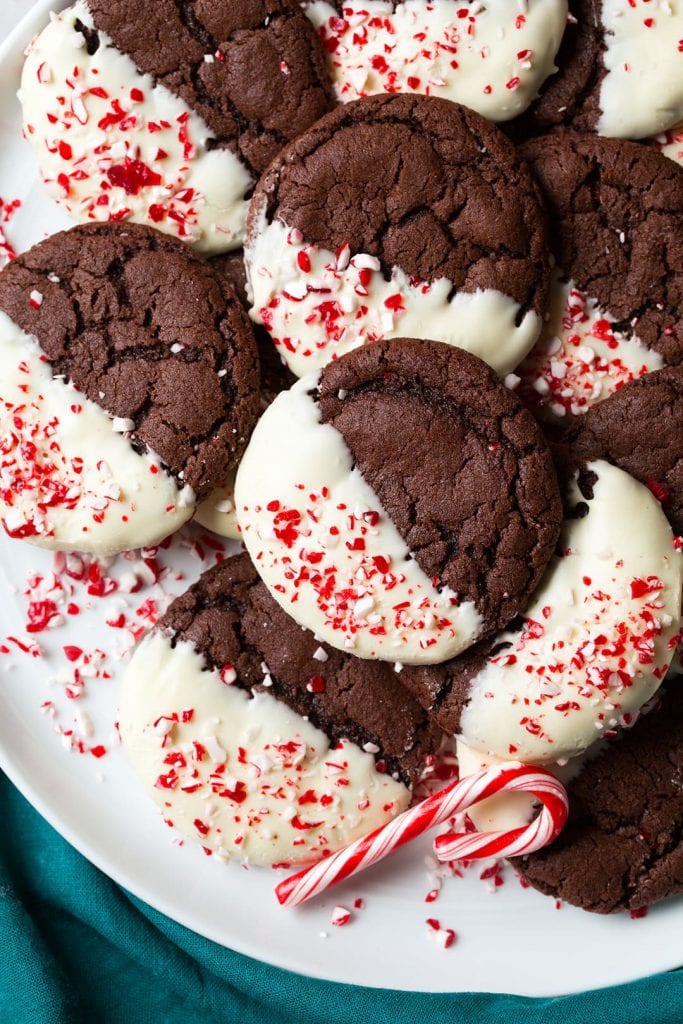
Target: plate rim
17 39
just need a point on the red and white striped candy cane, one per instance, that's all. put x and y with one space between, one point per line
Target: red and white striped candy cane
435 810
517 841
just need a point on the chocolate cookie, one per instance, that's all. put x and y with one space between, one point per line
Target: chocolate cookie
620 71
398 216
640 429
275 377
401 504
288 749
593 644
166 113
437 49
217 511
143 340
622 848
617 210
571 96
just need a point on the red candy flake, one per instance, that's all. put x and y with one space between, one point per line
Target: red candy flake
660 492
132 176
304 826
7 211
651 585
41 615
340 916
316 684
445 937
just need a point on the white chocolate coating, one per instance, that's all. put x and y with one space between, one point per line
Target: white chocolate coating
217 512
600 633
642 91
580 359
670 143
245 776
317 305
113 146
69 480
492 56
327 550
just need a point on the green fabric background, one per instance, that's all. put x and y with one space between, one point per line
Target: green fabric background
78 948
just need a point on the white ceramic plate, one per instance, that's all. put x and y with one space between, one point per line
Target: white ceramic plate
513 940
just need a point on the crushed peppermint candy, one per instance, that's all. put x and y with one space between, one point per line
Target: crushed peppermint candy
7 211
486 56
581 359
333 552
115 146
342 300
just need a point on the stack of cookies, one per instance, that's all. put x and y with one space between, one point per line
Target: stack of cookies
388 292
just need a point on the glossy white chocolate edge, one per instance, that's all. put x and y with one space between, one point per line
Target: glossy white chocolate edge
599 637
217 512
69 477
327 550
493 57
642 91
244 775
580 360
312 303
106 155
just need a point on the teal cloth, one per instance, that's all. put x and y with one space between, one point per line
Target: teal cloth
77 947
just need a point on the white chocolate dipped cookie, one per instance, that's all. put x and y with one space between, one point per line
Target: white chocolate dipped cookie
360 499
401 216
135 114
119 410
256 741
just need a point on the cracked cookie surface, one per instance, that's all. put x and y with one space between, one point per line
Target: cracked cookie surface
523 692
618 207
421 184
267 81
461 468
232 620
622 848
150 333
275 376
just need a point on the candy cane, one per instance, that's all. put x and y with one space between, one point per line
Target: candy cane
435 810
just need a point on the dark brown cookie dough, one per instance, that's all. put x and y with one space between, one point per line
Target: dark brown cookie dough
231 619
640 430
268 84
572 95
275 377
443 690
617 214
460 467
622 847
151 333
421 184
